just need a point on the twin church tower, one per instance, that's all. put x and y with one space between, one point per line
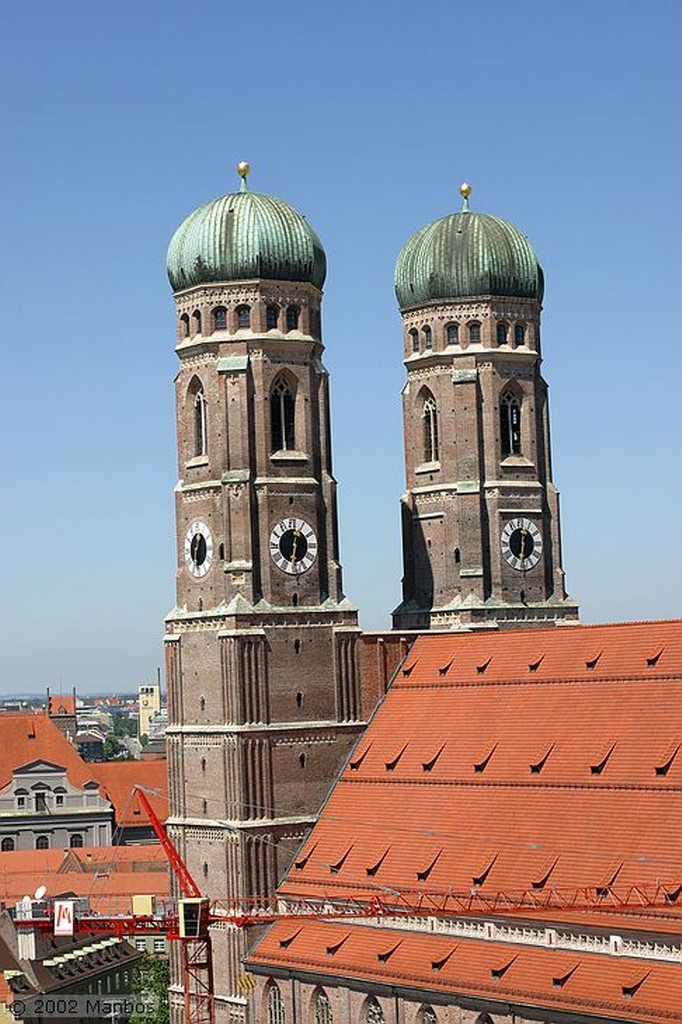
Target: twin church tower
263 666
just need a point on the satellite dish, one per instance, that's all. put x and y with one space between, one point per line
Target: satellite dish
40 892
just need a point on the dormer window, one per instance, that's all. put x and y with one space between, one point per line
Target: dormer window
474 332
243 316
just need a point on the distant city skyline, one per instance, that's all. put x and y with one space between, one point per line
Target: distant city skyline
122 120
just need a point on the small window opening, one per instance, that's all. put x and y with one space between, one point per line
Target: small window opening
297 646
202 703
204 805
205 869
414 336
502 331
219 318
294 601
458 556
243 316
203 764
302 760
293 314
76 840
428 337
271 318
299 697
196 322
452 334
43 843
519 334
7 844
474 332
184 326
221 552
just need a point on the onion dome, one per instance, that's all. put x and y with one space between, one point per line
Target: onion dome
241 236
464 256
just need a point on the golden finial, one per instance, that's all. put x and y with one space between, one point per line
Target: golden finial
243 169
465 192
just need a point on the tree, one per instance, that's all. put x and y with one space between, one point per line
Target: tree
152 978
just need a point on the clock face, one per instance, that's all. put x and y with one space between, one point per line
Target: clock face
521 544
198 549
293 545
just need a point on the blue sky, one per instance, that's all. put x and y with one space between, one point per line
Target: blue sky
121 118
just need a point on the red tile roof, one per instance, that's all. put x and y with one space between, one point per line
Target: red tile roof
616 988
61 705
26 738
117 779
87 871
514 763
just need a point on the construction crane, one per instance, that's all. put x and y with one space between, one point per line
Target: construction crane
188 918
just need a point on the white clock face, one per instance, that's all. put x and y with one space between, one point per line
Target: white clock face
198 549
521 544
293 545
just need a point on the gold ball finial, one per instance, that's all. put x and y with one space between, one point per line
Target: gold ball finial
243 168
465 190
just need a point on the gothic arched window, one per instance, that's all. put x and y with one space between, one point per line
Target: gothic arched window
219 318
428 337
275 1005
502 331
430 421
184 326
271 318
282 407
292 318
200 432
452 334
323 1010
519 334
243 316
196 322
75 840
427 1015
510 424
474 332
373 1013
7 844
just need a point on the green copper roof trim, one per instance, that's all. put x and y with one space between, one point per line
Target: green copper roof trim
244 236
463 256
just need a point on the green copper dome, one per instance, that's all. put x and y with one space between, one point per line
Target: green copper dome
466 255
242 236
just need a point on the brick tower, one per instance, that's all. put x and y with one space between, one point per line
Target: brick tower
481 537
261 647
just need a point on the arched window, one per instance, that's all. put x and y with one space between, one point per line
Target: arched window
184 326
323 1010
519 334
243 316
275 1005
452 334
7 844
474 332
219 318
42 842
292 318
510 424
282 417
196 322
430 421
502 331
373 1013
271 318
428 337
427 1015
200 428
414 335
75 840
